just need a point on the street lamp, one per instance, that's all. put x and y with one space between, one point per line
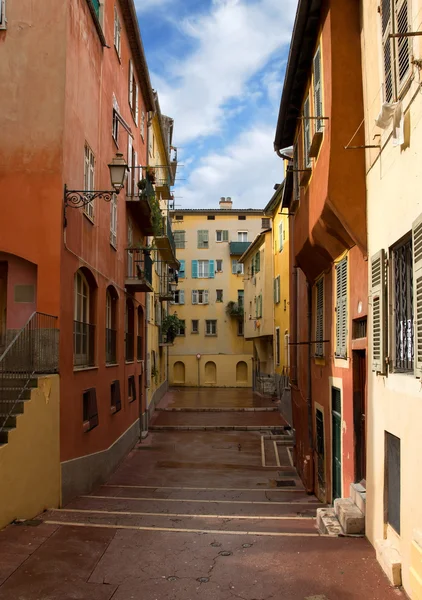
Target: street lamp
79 198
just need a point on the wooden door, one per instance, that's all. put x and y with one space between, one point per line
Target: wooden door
359 413
336 441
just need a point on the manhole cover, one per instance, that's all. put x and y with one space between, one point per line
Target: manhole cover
215 544
225 553
246 545
172 578
203 579
285 482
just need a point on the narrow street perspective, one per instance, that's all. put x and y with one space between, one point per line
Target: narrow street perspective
208 509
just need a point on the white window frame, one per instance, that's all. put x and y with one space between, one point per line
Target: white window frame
3 19
280 237
89 180
237 267
242 234
193 329
222 235
307 132
203 269
318 89
200 296
180 297
217 270
113 221
277 290
117 32
142 127
211 327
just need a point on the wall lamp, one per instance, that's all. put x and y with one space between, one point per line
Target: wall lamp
80 198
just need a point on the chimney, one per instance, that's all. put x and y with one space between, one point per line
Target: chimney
226 203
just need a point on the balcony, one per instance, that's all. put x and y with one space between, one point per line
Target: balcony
168 284
140 205
165 339
238 248
164 241
235 310
139 271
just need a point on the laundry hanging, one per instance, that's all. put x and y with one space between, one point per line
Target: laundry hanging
392 112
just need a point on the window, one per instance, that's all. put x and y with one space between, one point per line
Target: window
341 308
182 269
241 217
222 235
219 268
277 345
211 217
179 297
130 257
115 128
258 306
3 20
89 181
240 328
395 19
306 133
179 217
280 237
179 239
83 331
181 331
113 221
129 331
111 325
115 398
240 298
402 275
211 327
237 267
133 93
200 296
319 317
265 223
143 124
89 409
195 326
131 388
202 238
277 290
295 167
317 90
219 296
242 236
117 32
202 269
257 262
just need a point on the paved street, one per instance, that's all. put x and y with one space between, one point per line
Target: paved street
193 513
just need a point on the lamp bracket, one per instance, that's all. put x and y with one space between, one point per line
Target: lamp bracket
80 198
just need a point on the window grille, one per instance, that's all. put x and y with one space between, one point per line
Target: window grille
403 306
319 335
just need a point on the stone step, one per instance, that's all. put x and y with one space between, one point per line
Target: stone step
327 522
390 560
351 519
7 420
358 495
14 392
4 434
16 406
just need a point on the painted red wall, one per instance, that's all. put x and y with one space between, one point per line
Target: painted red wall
19 272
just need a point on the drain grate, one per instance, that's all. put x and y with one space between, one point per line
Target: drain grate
285 482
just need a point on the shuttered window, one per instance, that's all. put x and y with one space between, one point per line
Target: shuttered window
395 19
378 311
202 238
296 188
402 278
319 318
417 294
306 133
182 269
113 221
318 89
277 345
277 289
200 296
280 237
222 235
341 309
179 239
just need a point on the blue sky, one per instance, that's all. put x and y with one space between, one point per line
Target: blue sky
218 67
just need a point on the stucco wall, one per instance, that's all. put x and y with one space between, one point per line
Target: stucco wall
30 461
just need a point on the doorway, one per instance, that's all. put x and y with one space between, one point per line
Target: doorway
3 304
336 441
392 481
359 413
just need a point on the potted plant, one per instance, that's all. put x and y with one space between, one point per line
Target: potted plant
170 327
150 174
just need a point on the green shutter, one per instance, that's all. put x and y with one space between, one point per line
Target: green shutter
182 269
211 269
225 235
341 309
195 269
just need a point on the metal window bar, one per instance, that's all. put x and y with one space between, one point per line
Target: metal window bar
83 344
129 346
33 350
139 264
403 307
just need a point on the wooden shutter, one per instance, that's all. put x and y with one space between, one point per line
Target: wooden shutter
402 44
387 44
341 309
194 296
306 132
182 269
181 296
319 349
130 84
275 291
211 269
278 289
317 89
129 164
280 237
379 336
417 293
205 297
136 103
195 269
234 266
225 235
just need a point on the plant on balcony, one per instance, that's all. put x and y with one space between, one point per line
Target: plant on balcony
233 309
170 327
150 175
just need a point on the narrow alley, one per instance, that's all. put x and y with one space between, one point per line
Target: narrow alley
207 506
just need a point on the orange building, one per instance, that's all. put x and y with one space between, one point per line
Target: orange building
74 91
324 194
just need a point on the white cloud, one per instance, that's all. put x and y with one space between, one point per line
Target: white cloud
232 43
246 170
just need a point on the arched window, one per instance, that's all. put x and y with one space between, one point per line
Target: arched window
83 324
111 325
130 331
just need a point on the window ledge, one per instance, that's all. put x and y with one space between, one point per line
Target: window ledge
129 362
113 410
112 365
113 246
118 55
78 369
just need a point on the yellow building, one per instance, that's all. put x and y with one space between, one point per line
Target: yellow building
161 171
211 349
266 265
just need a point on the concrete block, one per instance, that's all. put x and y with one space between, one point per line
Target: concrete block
358 495
351 518
327 522
390 560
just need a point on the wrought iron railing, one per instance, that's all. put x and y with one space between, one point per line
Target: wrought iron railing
168 284
139 264
33 350
83 344
111 346
139 347
235 309
129 346
166 230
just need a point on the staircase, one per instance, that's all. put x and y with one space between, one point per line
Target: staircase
347 517
33 350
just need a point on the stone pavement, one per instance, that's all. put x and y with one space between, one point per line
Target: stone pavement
192 515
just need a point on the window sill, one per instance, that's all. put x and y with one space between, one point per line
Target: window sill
111 365
90 219
194 332
320 361
86 427
113 410
78 369
129 362
210 335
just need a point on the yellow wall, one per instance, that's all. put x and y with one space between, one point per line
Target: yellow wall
30 461
227 348
228 370
281 268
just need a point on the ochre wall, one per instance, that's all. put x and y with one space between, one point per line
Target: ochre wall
30 461
225 370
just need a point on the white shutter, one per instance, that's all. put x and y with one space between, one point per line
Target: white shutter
205 297
402 44
417 293
234 266
341 308
113 221
129 164
378 312
136 103
194 296
181 296
317 88
131 84
306 132
225 235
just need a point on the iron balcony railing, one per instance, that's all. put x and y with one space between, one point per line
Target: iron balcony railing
33 350
168 284
166 231
83 344
139 264
111 346
129 346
